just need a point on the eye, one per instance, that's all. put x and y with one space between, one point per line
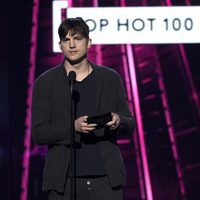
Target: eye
65 39
78 38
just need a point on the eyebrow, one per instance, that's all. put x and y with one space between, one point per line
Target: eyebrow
74 36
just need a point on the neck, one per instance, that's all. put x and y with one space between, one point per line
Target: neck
78 68
82 69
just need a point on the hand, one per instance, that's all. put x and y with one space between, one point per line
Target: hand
115 121
82 126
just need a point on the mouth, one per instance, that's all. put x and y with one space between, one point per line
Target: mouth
73 52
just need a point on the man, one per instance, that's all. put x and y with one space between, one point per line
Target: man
99 169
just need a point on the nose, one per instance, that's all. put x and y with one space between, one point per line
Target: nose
71 43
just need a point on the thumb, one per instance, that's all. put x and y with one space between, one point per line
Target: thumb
85 118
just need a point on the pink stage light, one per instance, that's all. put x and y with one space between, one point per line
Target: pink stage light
142 145
31 76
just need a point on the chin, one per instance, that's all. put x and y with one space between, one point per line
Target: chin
76 60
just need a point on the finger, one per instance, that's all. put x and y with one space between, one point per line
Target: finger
110 123
84 118
111 127
88 131
91 125
115 118
83 124
85 131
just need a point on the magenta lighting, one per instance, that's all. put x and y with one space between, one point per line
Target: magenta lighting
31 75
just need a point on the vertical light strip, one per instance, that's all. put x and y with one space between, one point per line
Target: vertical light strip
126 73
171 132
98 47
70 3
31 74
135 138
170 126
140 130
138 114
187 2
192 87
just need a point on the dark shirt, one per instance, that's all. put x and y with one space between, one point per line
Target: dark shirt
88 159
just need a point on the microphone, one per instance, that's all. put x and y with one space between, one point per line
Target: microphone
72 76
72 79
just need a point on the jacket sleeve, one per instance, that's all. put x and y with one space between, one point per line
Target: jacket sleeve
127 124
44 130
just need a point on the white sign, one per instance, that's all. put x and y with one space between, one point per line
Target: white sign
134 25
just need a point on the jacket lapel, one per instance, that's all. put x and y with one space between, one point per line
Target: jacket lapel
99 85
64 87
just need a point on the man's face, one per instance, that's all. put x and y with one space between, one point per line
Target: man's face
74 46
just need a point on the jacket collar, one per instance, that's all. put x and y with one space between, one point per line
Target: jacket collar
99 83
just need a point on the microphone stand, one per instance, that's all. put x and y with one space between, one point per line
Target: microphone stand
72 147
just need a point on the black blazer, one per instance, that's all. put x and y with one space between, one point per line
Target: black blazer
51 123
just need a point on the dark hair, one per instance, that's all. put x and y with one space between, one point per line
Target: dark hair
74 25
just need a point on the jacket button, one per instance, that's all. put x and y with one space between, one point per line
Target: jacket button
89 185
88 182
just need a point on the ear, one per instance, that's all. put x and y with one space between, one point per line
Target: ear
89 43
60 46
